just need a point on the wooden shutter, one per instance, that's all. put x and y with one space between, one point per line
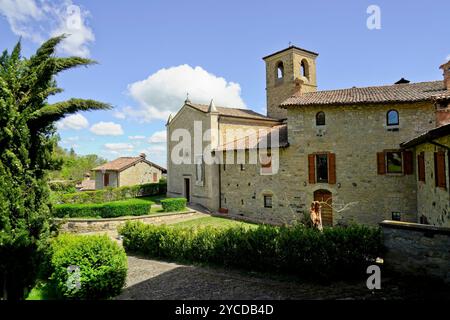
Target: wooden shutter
421 167
332 168
311 168
439 169
408 162
381 167
106 180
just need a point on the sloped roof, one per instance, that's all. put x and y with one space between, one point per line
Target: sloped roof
123 163
431 134
406 92
256 141
233 112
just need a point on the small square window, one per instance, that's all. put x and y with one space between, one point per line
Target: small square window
394 162
396 216
267 201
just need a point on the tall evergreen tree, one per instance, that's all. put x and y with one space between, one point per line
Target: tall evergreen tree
27 139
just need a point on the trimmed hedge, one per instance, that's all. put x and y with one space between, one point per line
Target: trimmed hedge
63 186
173 204
131 207
114 194
102 267
335 253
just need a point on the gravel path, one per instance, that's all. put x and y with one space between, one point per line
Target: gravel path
158 280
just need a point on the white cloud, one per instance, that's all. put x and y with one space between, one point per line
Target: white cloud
38 20
448 58
154 150
75 122
107 129
158 136
136 137
119 115
119 147
164 91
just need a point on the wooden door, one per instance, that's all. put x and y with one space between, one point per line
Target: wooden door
326 199
187 189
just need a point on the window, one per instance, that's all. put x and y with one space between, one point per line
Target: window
267 201
304 69
155 177
320 118
280 70
421 167
392 118
224 167
396 216
242 167
322 168
439 169
394 162
199 169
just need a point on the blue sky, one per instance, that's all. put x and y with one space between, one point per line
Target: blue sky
151 53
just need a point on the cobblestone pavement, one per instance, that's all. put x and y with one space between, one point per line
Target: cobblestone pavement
158 280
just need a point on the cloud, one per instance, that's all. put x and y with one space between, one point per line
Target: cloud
154 150
164 91
448 58
119 147
136 137
119 115
38 20
75 122
107 129
158 137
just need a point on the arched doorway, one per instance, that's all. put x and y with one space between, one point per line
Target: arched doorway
326 199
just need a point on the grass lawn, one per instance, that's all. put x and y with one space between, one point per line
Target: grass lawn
213 222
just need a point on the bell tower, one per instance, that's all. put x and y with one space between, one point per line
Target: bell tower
283 70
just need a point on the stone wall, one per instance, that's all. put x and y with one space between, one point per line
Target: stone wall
140 173
99 179
417 249
354 134
433 202
79 225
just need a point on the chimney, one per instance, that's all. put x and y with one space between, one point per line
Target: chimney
142 155
446 71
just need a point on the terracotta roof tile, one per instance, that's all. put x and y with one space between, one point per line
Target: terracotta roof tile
407 92
233 112
118 164
266 137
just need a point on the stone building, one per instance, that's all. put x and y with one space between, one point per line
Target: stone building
127 171
340 147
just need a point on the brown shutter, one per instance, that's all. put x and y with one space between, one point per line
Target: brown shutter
408 162
381 167
311 168
332 168
439 168
421 167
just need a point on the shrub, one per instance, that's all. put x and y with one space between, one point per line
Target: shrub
131 207
173 204
114 194
63 186
335 253
102 266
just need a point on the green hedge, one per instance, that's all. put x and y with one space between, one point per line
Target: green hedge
102 267
173 204
63 186
131 207
114 194
335 253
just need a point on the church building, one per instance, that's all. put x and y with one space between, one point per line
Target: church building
366 153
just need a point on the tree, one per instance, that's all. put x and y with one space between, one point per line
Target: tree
27 139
